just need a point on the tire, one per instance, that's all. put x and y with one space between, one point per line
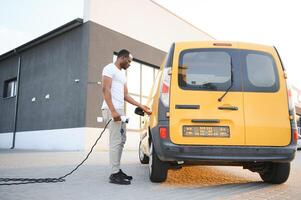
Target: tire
157 168
144 159
276 173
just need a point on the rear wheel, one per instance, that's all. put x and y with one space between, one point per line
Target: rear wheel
157 168
144 159
276 173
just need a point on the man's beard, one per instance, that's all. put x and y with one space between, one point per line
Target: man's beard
124 67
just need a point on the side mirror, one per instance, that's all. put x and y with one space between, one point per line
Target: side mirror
139 111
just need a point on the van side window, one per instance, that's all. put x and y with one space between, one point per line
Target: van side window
204 70
261 73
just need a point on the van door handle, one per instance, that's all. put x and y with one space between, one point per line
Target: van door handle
228 108
187 106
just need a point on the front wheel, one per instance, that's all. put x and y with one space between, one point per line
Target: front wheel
157 168
276 173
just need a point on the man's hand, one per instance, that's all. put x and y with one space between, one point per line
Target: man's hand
146 109
116 117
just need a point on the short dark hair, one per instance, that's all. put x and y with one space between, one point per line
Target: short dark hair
123 52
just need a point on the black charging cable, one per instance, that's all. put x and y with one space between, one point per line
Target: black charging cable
19 181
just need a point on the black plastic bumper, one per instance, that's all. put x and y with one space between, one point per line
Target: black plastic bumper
168 151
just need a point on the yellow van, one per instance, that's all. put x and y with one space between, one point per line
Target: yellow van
220 103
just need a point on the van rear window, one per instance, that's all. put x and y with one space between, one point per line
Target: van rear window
260 72
204 70
210 70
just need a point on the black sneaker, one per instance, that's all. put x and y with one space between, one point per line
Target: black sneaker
124 175
117 178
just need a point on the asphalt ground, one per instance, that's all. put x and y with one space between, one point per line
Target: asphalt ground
91 181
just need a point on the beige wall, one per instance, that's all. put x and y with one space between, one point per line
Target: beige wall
143 20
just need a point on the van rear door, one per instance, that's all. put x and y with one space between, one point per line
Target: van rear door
265 99
200 76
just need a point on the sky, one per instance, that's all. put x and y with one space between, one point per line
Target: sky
24 20
271 22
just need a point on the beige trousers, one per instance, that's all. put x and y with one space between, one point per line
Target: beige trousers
116 140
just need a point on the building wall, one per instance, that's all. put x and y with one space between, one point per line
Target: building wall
143 20
103 43
8 70
67 119
50 69
61 73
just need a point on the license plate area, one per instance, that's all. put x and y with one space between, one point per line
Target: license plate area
206 131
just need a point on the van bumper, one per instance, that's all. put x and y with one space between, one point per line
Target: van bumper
168 151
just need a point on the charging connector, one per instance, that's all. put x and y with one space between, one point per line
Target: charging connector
125 119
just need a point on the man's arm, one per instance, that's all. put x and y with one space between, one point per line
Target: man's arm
106 93
129 99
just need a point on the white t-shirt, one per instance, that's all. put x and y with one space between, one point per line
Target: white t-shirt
117 89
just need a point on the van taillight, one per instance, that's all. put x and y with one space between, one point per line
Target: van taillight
295 136
163 132
165 87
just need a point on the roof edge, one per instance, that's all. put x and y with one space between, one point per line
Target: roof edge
47 36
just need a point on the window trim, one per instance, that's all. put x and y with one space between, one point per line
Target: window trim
5 88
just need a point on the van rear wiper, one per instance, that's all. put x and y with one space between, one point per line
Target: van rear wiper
221 98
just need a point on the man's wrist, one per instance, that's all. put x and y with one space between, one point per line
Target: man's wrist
113 110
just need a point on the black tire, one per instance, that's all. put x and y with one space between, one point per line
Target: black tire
144 159
157 168
276 173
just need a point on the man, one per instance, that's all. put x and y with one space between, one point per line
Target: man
115 92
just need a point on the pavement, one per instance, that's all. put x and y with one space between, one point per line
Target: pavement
91 181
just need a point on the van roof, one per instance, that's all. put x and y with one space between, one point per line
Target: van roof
223 44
